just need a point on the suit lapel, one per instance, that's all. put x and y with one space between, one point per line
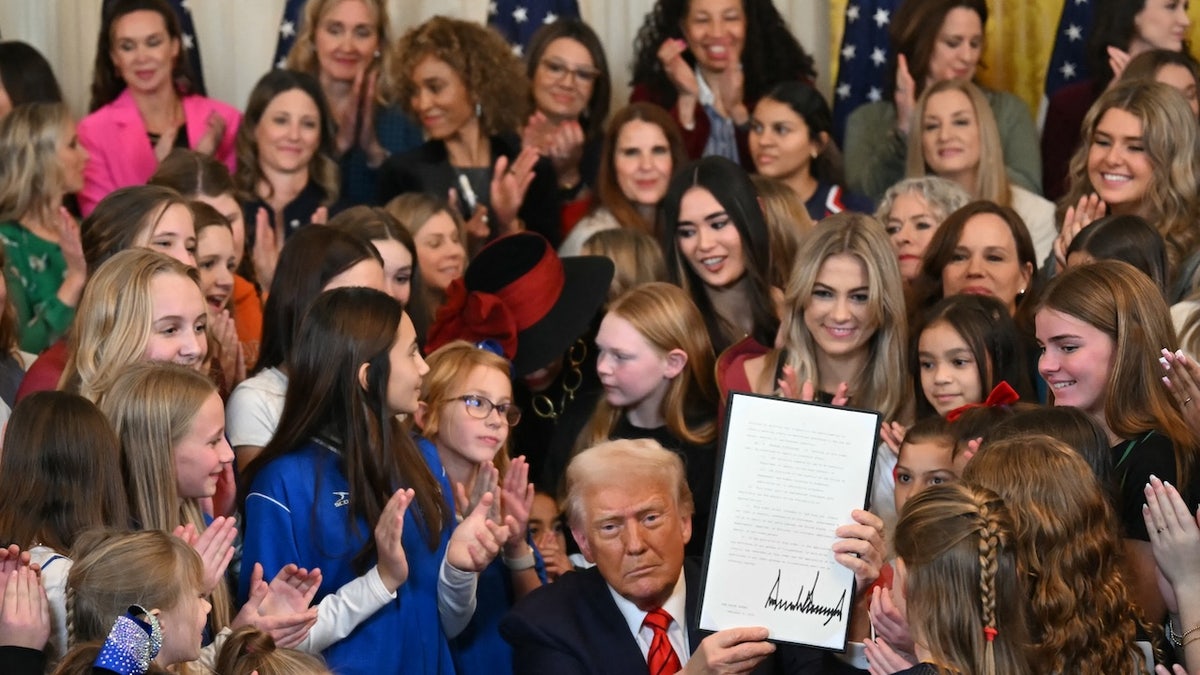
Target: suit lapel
614 647
133 141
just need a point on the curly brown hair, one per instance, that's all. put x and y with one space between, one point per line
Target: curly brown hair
1082 616
493 75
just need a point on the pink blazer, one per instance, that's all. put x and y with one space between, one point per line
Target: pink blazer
121 154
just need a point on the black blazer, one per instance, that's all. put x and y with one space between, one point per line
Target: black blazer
572 626
427 169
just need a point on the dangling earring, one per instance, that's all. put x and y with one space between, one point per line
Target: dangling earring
478 109
378 53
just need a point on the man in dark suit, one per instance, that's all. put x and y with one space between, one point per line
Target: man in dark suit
629 508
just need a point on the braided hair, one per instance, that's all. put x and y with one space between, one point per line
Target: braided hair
956 542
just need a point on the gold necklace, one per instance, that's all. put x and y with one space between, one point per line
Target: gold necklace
542 405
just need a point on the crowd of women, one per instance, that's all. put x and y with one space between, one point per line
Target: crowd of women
291 388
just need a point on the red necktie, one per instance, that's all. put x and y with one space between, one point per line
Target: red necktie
661 658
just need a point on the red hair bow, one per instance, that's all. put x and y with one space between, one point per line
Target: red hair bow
1002 395
473 315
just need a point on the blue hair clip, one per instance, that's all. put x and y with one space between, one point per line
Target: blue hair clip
135 639
490 345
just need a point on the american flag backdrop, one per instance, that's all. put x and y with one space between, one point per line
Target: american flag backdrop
518 20
863 59
288 25
1068 61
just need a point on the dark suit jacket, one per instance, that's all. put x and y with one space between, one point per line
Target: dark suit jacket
572 626
427 169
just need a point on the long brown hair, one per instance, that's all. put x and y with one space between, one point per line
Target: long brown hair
61 472
1171 141
344 329
1123 303
1081 616
106 81
608 190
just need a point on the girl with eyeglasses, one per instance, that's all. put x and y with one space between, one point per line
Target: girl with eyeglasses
465 414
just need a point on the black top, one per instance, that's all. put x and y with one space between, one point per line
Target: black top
700 463
297 213
22 660
427 169
1134 462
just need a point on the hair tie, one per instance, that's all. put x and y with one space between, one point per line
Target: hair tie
990 633
1002 395
134 641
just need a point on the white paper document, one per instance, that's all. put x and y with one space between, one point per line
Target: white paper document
791 474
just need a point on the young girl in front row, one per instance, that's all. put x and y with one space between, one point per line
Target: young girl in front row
465 413
656 365
171 426
956 566
1101 328
967 345
341 466
152 580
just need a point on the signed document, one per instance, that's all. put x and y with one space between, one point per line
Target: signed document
791 473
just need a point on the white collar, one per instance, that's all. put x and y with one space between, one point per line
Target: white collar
676 606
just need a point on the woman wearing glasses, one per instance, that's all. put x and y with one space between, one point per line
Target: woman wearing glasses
462 82
571 89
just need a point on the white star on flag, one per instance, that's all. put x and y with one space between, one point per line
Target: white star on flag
492 9
189 42
1068 70
519 14
186 5
878 57
288 29
881 17
852 13
551 17
1074 33
848 52
843 90
874 95
518 50
282 63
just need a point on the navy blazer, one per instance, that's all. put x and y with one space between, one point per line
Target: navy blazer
572 626
427 169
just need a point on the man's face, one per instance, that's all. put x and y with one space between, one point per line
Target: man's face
635 535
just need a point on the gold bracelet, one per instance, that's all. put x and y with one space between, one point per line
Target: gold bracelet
1189 631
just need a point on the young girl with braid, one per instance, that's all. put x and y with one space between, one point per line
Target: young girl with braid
957 566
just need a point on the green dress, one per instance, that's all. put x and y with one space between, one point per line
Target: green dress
34 272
